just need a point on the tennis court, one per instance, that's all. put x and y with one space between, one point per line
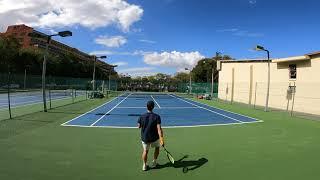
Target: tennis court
124 110
34 97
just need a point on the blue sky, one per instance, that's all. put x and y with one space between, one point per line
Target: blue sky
167 35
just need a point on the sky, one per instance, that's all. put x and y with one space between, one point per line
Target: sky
144 37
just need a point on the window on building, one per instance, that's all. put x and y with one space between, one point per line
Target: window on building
292 71
23 34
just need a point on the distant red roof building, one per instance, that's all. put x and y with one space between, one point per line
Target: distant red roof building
21 33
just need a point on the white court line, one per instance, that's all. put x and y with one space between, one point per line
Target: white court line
155 101
63 124
208 110
109 111
228 111
123 107
166 127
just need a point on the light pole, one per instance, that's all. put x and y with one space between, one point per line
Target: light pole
212 72
190 82
44 64
94 71
260 48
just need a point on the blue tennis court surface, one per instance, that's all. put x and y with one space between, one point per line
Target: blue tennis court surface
175 111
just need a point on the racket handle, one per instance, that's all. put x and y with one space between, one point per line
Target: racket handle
162 141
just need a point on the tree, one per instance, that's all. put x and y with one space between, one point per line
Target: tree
203 70
181 77
9 48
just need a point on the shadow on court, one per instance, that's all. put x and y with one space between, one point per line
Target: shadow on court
185 165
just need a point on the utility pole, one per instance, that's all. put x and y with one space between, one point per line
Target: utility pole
212 74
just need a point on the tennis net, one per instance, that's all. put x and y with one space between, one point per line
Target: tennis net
151 95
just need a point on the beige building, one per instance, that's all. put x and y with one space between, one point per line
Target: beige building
245 81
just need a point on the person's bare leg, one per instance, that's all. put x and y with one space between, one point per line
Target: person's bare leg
145 156
156 153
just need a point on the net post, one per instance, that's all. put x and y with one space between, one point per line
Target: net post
72 94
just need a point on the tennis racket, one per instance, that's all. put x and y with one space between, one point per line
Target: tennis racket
170 157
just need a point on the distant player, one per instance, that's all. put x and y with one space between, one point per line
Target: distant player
151 134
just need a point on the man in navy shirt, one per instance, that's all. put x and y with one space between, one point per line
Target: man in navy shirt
151 134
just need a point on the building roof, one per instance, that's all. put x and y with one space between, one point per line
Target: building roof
290 59
243 60
305 57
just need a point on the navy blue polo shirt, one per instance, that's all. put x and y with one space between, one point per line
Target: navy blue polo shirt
148 123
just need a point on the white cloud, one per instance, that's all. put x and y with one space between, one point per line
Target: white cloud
87 13
138 71
228 30
239 32
147 41
120 63
247 34
252 2
178 60
113 41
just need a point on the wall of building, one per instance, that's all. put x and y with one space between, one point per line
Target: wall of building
20 32
246 82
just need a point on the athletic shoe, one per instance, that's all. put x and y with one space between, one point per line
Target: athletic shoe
154 164
144 167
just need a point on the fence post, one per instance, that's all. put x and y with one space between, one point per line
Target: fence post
227 92
232 86
288 96
50 97
255 95
9 103
293 95
251 84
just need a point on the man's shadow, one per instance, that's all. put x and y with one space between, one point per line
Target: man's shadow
186 165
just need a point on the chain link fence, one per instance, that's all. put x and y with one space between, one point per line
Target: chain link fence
198 88
297 98
22 94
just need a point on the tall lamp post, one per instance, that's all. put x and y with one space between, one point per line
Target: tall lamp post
45 56
212 72
94 70
190 82
260 48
